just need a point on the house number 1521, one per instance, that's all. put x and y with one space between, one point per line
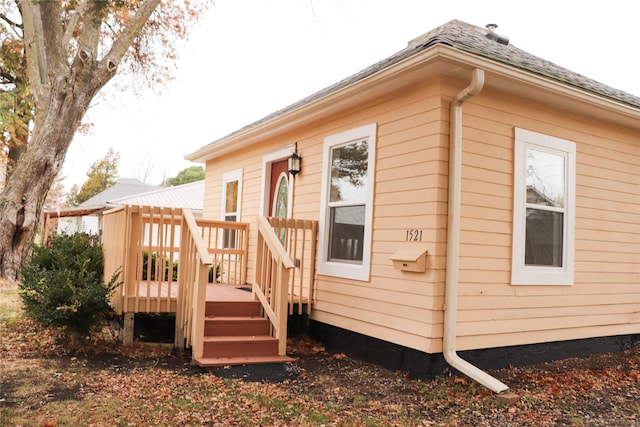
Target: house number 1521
414 235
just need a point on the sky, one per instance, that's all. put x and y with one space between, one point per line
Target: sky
246 59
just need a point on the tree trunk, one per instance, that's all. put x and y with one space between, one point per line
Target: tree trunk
63 87
22 200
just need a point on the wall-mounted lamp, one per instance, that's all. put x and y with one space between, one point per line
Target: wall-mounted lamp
294 161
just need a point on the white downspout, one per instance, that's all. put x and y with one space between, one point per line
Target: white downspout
453 241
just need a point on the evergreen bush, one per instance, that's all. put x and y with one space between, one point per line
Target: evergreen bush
145 262
62 284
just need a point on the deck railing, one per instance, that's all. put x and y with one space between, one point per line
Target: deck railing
228 243
299 239
113 231
273 269
285 270
168 258
152 254
195 264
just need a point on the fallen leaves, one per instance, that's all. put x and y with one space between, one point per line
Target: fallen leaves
304 345
142 385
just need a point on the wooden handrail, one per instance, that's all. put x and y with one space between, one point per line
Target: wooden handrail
192 281
271 239
273 267
202 250
299 237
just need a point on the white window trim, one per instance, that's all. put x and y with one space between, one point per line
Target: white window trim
234 175
541 275
340 269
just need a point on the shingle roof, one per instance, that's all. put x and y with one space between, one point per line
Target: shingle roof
481 42
124 187
190 196
470 39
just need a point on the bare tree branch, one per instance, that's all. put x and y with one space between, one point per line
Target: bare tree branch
73 22
91 24
131 31
32 49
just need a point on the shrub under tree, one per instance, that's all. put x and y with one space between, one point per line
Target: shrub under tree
62 284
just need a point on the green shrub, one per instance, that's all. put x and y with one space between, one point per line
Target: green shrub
145 263
62 284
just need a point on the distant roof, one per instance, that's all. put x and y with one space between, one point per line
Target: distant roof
466 38
190 196
124 187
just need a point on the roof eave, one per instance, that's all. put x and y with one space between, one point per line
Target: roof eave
504 76
316 109
499 75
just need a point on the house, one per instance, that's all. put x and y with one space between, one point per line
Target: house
87 216
468 196
187 196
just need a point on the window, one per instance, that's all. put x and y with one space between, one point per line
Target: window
544 210
347 203
231 192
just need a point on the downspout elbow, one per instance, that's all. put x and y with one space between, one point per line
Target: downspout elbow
474 88
453 241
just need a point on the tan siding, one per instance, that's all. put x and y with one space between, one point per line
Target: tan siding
550 323
606 292
375 330
526 337
398 306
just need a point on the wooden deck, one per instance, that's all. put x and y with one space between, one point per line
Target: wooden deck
215 292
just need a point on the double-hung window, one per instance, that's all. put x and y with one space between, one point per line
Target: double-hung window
347 203
231 196
544 210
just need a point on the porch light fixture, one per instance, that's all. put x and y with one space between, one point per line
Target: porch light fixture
293 163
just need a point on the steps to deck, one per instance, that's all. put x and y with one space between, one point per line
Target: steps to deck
231 325
216 362
236 334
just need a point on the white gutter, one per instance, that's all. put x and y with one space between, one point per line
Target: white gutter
453 241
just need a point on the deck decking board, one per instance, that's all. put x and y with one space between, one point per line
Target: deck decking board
215 292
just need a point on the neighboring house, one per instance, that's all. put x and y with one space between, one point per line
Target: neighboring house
469 196
86 217
186 196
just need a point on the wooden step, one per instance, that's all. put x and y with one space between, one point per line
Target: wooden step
213 362
233 308
235 326
239 346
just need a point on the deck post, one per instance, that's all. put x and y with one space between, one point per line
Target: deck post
199 307
127 335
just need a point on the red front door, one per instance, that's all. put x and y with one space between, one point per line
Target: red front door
279 190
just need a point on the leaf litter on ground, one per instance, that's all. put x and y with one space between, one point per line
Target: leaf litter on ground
107 384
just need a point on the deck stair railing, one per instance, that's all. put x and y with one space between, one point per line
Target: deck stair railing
299 239
195 264
167 258
273 270
284 248
213 252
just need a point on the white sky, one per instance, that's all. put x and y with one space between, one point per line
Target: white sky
249 58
